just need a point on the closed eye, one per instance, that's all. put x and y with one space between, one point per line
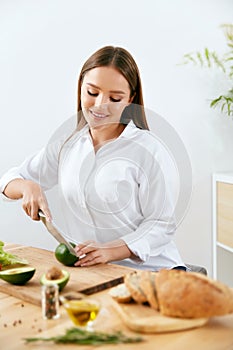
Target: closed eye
96 94
114 99
92 94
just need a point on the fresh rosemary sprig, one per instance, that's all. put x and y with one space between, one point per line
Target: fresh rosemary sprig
84 337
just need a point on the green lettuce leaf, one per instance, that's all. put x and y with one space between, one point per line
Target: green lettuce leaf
7 259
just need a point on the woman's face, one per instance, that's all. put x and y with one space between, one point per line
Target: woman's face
104 94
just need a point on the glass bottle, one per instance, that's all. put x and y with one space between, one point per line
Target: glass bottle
50 301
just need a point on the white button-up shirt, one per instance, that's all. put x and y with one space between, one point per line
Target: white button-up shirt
126 190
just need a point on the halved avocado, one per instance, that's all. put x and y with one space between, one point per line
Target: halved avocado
19 276
61 282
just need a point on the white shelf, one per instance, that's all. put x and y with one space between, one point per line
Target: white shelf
222 227
223 246
223 177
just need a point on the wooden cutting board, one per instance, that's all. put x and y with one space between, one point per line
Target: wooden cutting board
144 319
82 279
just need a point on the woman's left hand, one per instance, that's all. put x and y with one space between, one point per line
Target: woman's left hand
93 253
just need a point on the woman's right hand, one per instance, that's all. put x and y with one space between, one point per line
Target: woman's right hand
33 197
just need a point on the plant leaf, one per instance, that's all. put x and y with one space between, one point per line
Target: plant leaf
210 58
199 56
7 259
189 58
207 56
218 62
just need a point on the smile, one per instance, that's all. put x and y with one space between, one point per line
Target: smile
98 115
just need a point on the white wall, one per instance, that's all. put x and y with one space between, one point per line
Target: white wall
43 45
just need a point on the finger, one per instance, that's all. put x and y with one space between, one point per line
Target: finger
87 250
85 247
43 205
85 243
34 212
84 259
46 212
95 261
89 262
76 248
27 211
25 207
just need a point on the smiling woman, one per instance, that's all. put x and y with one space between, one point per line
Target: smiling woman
120 77
112 173
104 94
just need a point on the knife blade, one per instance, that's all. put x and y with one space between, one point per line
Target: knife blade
54 231
77 295
102 286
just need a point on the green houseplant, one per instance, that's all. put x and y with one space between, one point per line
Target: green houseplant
207 58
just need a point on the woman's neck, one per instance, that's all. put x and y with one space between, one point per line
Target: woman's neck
101 135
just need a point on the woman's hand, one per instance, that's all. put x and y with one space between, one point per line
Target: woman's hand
92 253
33 197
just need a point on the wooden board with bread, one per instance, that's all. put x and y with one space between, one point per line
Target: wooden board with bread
170 300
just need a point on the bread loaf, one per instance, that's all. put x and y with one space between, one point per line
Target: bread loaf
192 295
178 293
133 282
147 285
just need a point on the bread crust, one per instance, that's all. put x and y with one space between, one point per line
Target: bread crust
192 295
132 282
147 284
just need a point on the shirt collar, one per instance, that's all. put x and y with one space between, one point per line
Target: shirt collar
128 132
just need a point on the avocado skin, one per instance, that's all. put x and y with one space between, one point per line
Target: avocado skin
61 282
21 276
63 255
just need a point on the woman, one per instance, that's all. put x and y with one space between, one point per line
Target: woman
111 173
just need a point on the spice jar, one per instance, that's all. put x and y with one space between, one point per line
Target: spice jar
50 301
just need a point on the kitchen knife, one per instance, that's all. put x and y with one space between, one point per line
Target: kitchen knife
102 286
53 230
94 289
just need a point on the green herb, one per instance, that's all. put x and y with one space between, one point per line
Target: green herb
84 337
9 259
207 58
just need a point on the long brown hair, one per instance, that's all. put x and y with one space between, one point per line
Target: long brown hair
123 62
